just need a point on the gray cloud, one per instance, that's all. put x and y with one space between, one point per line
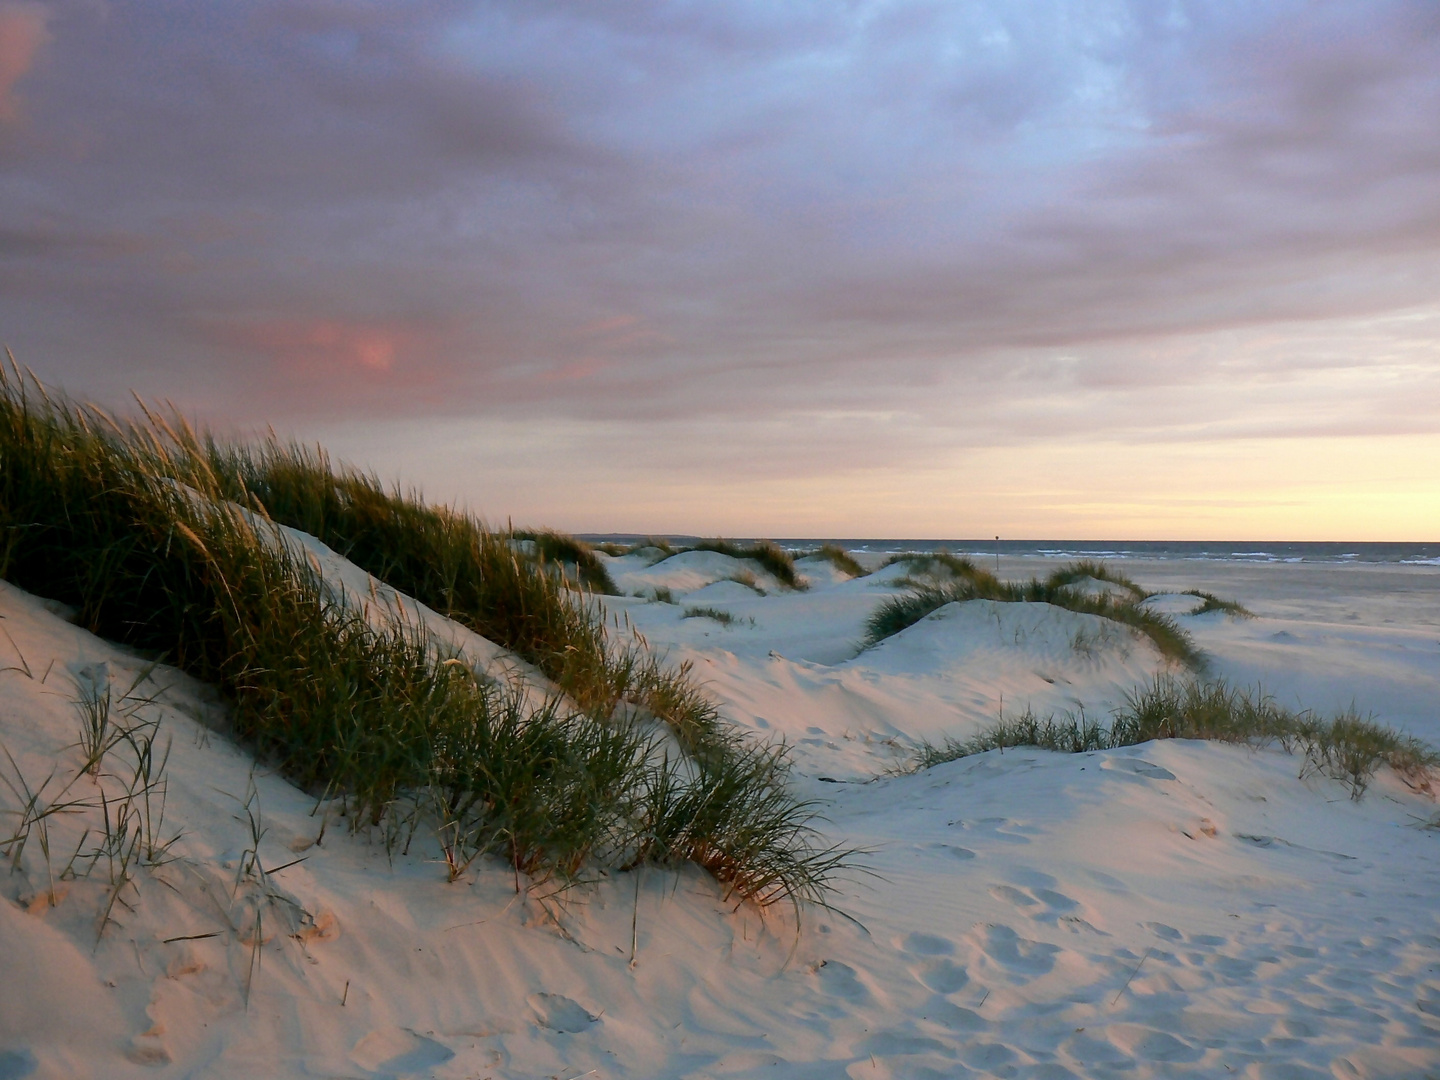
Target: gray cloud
660 212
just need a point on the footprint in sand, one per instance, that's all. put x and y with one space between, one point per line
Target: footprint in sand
941 975
1016 954
1086 1051
1055 901
399 1052
1137 767
954 1017
897 1043
1002 830
1052 901
934 970
1108 882
919 944
991 1058
954 851
1011 895
1044 905
1234 967
1291 1027
840 980
1147 1044
17 1064
559 1013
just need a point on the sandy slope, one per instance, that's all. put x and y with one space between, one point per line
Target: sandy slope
1173 909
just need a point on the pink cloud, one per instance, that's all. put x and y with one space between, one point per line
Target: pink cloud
325 345
583 368
22 32
621 333
609 325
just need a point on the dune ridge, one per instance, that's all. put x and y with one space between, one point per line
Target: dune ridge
175 905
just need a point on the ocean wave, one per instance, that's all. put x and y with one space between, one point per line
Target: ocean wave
1322 553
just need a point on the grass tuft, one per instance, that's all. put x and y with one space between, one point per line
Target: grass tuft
452 563
770 556
656 548
772 852
1077 572
839 558
968 582
565 550
97 733
1233 608
1347 747
940 566
724 618
164 540
748 579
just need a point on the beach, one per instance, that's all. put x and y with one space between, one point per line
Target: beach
693 540
1171 908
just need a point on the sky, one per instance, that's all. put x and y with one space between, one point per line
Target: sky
882 268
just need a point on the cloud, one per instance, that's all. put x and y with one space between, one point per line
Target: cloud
324 346
995 221
22 33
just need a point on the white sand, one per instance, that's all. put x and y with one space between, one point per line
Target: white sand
1172 909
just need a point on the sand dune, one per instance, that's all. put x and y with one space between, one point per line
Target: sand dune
1175 908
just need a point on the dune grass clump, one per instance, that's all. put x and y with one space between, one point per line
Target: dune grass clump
656 549
966 581
839 558
1346 747
158 540
770 556
1164 633
565 550
940 565
452 563
761 859
1233 608
120 809
92 517
1170 708
1350 747
724 618
1077 572
934 581
1064 735
747 579
900 612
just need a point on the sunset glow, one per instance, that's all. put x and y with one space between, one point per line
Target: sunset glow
898 269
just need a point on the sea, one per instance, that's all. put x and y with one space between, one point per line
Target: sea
1230 551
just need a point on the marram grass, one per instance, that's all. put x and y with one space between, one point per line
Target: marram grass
1212 602
157 537
1347 747
562 549
452 563
950 579
771 558
839 558
724 618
